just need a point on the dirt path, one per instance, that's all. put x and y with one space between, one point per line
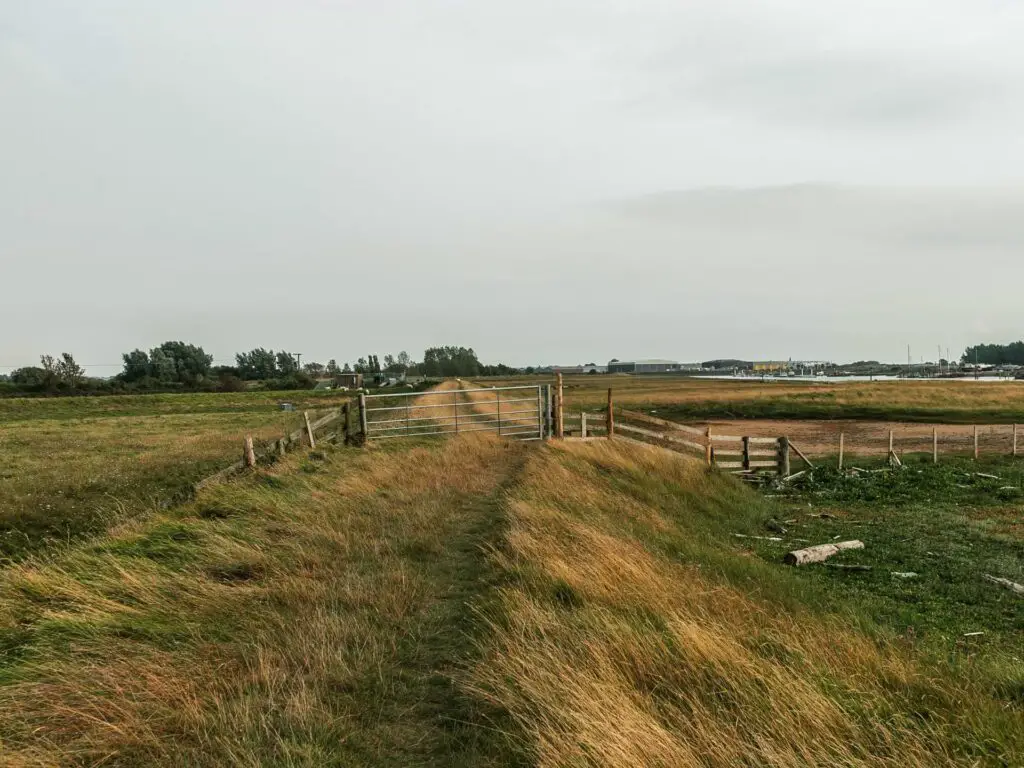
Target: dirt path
872 437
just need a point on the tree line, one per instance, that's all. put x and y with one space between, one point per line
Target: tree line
176 365
995 354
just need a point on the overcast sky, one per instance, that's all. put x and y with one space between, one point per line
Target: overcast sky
552 181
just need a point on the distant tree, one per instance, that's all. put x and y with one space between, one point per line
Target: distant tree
170 363
450 361
48 363
404 361
286 364
332 367
995 354
347 368
362 366
314 369
258 364
30 376
68 371
162 366
136 365
390 364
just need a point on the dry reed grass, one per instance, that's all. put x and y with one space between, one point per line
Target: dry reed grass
608 651
302 617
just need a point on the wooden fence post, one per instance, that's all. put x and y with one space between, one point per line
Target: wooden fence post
709 452
784 467
362 415
309 430
935 445
610 416
583 423
746 453
842 442
559 404
891 443
976 450
250 453
344 424
549 426
1015 440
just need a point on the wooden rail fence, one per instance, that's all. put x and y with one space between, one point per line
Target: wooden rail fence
342 419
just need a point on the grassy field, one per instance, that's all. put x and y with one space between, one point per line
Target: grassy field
677 397
479 602
73 466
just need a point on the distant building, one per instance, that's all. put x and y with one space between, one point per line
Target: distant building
771 366
348 380
644 366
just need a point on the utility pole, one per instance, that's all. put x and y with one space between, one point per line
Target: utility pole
298 360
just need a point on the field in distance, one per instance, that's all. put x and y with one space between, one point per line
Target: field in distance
693 398
75 465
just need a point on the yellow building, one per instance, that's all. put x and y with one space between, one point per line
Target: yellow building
770 367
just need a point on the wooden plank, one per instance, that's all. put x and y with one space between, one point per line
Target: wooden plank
674 425
309 430
728 438
763 453
659 436
801 455
729 464
721 452
762 464
764 440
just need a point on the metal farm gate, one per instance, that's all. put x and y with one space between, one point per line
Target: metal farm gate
522 413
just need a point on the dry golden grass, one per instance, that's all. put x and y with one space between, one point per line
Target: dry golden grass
308 621
609 652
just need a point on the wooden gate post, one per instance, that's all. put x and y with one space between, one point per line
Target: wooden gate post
362 415
1015 440
709 452
976 450
842 445
583 423
610 417
559 404
935 445
344 424
549 428
784 465
746 453
250 454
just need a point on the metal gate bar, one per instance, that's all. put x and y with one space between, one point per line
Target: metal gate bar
467 410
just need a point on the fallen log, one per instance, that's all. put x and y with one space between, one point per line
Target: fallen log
1010 585
820 553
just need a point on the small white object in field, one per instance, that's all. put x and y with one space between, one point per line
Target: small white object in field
904 574
973 634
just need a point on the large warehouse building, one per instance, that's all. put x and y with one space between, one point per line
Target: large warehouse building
644 366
